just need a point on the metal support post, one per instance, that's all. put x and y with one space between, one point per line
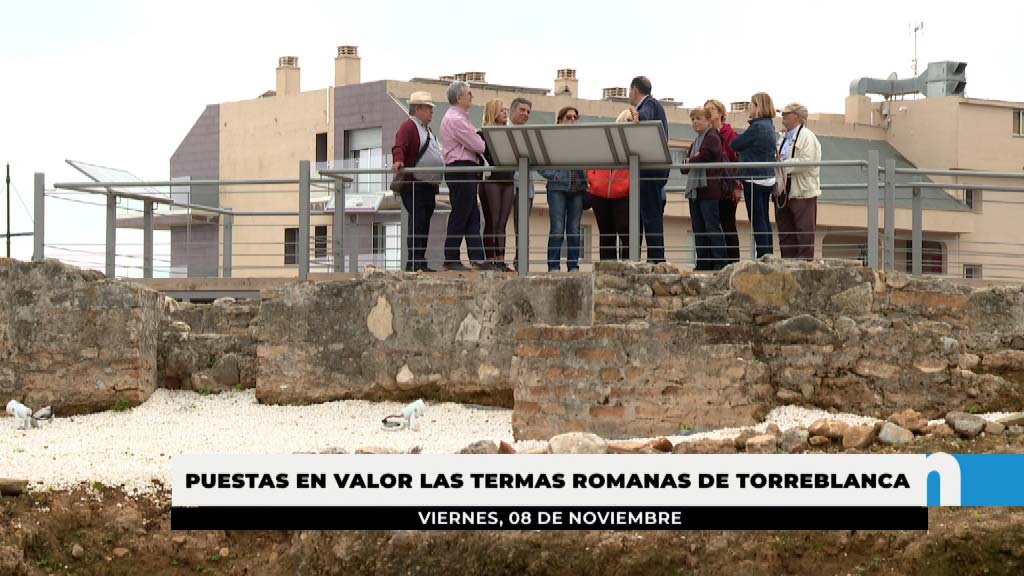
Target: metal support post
111 246
302 244
404 225
38 216
523 209
229 222
916 232
634 208
890 214
873 209
147 239
338 226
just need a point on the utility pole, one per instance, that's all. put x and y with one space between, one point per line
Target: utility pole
8 210
919 27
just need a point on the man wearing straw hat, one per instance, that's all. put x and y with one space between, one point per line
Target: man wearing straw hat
416 145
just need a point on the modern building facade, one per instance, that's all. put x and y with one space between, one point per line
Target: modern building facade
353 123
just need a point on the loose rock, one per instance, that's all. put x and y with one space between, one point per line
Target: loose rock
859 437
966 425
942 430
505 448
994 428
763 444
77 551
120 552
662 444
794 440
818 441
578 443
894 435
911 420
706 446
480 447
1015 420
834 429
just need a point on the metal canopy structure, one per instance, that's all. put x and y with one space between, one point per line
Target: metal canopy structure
578 144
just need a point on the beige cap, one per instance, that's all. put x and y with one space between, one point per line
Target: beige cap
420 98
796 108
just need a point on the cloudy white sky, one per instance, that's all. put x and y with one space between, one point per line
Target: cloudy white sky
119 83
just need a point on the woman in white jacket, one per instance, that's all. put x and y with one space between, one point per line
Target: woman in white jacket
797 218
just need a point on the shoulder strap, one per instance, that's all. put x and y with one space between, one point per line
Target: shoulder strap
423 149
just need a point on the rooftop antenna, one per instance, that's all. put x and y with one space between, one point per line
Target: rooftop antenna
916 28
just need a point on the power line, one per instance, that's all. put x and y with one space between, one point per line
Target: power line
23 205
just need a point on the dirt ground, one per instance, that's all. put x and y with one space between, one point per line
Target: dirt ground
98 530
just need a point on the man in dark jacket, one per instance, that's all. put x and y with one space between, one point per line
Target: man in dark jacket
418 197
652 182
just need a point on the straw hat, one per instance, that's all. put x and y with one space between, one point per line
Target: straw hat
421 98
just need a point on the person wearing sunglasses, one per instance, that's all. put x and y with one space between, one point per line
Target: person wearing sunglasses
565 192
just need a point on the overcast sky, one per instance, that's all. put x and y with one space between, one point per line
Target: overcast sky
119 83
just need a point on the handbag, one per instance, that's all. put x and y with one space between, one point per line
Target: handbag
780 193
399 181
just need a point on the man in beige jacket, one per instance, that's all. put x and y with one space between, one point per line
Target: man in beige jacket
797 219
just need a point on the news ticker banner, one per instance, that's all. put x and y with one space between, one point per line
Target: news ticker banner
574 492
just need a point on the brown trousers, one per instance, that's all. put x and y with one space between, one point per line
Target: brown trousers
796 222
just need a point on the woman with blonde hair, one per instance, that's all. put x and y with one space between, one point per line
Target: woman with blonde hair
496 193
757 144
731 196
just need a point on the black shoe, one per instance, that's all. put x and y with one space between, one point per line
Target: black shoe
455 267
423 268
500 266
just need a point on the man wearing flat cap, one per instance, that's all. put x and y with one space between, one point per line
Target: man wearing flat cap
416 146
797 218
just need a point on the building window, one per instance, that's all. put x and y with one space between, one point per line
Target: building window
320 242
1018 122
972 199
364 149
932 257
387 237
972 271
291 243
321 147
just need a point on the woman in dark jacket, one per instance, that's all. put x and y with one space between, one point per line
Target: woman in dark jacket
704 189
757 144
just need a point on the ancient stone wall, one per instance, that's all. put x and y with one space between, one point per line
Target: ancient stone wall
720 350
73 339
208 347
397 337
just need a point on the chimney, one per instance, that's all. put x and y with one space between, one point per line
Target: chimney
287 75
609 93
566 83
346 66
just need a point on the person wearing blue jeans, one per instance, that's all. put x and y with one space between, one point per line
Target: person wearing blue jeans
757 144
652 182
565 192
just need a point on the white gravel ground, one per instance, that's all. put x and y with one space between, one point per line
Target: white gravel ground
133 449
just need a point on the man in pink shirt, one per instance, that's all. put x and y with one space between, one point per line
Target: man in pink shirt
462 147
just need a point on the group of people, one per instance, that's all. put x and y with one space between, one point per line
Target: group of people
713 193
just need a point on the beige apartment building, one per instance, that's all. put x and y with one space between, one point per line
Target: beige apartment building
972 233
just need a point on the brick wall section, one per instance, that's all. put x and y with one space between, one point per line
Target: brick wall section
721 349
635 380
625 292
73 339
208 347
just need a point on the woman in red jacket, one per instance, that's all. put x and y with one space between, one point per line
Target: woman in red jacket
609 198
730 198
